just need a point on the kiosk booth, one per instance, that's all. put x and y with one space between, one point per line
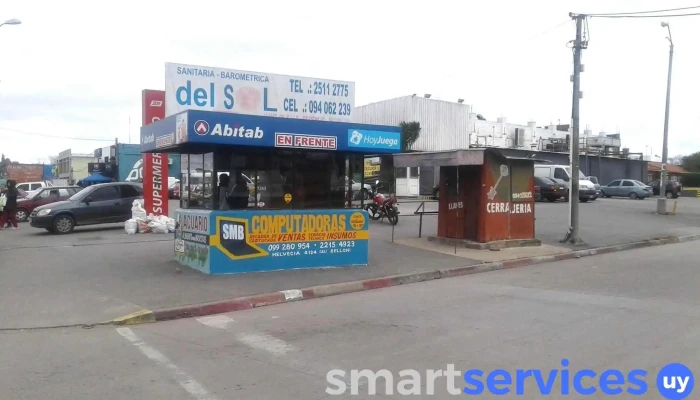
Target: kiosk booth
486 198
291 181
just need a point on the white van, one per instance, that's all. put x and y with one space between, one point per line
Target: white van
561 174
31 187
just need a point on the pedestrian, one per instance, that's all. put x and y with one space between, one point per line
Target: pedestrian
223 191
3 199
10 209
238 198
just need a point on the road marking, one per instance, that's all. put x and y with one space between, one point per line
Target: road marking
267 343
194 388
216 321
259 341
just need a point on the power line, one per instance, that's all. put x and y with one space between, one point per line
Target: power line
642 12
644 16
55 136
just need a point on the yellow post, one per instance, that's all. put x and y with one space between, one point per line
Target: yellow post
675 204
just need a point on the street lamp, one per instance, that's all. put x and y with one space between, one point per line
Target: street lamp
661 202
13 21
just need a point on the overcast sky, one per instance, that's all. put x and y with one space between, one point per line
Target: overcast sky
76 68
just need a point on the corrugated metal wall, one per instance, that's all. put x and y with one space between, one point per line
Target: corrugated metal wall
444 124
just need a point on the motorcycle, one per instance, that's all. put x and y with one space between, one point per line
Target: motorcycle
381 207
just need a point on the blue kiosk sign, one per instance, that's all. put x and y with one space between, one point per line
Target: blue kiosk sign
254 238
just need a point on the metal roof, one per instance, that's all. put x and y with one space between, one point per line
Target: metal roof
452 158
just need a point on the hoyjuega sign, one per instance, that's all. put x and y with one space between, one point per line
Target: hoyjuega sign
373 139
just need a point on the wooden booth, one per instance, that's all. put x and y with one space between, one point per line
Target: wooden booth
484 196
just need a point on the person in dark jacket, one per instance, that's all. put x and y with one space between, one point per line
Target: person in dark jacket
10 210
238 198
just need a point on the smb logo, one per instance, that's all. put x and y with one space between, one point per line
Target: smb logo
201 127
374 139
232 239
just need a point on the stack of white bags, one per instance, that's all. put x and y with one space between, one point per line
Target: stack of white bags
142 223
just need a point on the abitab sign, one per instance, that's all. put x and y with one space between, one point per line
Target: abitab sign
260 131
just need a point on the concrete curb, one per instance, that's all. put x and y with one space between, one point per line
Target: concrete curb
315 292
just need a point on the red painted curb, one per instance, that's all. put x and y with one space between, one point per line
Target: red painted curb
238 304
248 302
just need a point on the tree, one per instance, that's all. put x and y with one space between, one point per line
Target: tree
410 131
677 160
691 163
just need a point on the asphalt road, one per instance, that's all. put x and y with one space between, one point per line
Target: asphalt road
603 222
630 310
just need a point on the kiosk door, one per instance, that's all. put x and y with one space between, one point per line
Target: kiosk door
451 204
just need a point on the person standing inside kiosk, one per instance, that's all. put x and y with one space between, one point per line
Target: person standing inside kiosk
238 198
223 192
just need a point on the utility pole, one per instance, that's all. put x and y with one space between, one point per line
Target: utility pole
572 235
661 202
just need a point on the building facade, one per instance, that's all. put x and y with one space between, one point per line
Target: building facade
130 163
73 166
453 125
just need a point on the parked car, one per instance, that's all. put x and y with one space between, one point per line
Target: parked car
97 204
40 197
626 188
364 190
538 195
174 190
551 190
30 187
561 174
596 185
673 188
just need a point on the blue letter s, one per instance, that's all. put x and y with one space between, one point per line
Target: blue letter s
636 377
469 380
228 93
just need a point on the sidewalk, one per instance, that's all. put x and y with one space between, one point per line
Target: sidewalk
99 274
50 286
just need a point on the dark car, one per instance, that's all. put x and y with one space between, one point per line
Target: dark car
550 189
98 204
43 196
673 188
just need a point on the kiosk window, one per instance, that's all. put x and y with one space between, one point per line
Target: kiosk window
198 185
273 180
400 173
414 172
451 181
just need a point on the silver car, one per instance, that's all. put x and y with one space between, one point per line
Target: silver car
626 188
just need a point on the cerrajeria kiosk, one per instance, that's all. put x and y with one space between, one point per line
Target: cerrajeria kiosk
269 166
